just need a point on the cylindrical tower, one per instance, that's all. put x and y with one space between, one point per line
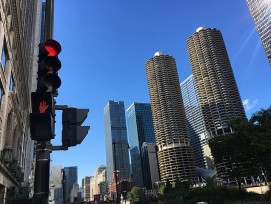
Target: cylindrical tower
218 94
175 156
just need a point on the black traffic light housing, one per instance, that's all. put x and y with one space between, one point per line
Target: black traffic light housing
42 122
48 66
73 133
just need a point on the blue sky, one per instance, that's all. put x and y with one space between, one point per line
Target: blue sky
106 43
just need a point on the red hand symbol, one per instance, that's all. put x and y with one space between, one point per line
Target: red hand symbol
43 107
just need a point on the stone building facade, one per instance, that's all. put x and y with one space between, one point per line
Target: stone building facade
19 31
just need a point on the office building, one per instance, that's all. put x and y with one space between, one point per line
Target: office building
58 196
261 13
86 188
175 155
150 168
116 142
99 176
214 80
198 133
71 184
140 130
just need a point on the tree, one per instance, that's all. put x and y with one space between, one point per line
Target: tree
248 149
136 195
232 150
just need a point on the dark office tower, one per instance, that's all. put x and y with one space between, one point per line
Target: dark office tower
140 130
261 13
150 168
214 80
70 181
117 155
175 156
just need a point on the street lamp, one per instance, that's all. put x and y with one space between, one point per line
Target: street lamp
6 154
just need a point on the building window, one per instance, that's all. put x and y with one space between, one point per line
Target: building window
11 83
4 56
2 93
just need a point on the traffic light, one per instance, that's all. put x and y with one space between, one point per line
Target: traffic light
48 66
42 116
72 132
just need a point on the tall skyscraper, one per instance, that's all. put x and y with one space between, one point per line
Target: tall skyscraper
117 155
198 134
175 155
70 182
214 80
261 13
140 130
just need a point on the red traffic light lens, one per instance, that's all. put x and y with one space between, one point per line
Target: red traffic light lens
52 47
51 50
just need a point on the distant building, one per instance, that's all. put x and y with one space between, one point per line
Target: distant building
56 185
86 188
197 129
118 187
99 176
56 176
58 196
70 182
175 154
140 130
150 167
103 186
261 13
117 155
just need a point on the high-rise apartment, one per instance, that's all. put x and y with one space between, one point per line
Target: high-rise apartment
116 142
175 155
198 134
216 87
217 90
140 130
71 183
261 13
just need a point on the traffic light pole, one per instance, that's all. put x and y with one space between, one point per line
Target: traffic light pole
49 19
42 168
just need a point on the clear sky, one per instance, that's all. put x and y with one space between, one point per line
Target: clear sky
106 43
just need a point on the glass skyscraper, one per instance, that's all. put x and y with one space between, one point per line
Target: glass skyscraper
261 13
175 154
198 133
70 181
140 130
116 142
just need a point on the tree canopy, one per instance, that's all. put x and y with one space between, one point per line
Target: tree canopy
248 149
